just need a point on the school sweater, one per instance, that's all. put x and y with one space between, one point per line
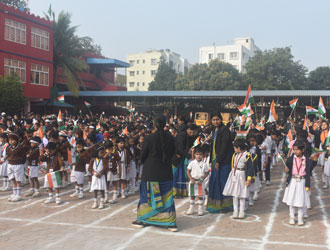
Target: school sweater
33 156
17 155
54 162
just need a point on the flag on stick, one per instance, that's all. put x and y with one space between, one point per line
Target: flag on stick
197 142
125 132
59 117
88 104
54 179
272 113
61 99
321 107
249 97
241 134
311 111
196 189
293 103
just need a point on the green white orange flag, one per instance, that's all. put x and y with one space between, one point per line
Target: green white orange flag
293 103
311 111
54 179
272 113
88 104
59 116
197 142
196 189
289 137
327 140
321 107
248 123
245 110
61 99
241 134
249 97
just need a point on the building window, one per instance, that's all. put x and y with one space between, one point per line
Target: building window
39 74
143 61
131 84
210 56
138 84
131 62
143 72
143 84
132 73
153 72
15 32
153 61
221 56
233 55
39 39
15 67
137 72
137 61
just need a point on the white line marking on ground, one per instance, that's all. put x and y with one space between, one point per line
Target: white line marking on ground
325 216
208 230
273 213
94 223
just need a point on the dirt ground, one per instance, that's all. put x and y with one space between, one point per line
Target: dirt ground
31 224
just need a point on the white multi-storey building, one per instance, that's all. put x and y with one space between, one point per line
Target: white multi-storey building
236 54
144 66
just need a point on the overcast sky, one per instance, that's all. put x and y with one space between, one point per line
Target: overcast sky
124 27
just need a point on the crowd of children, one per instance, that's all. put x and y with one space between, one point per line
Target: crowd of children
106 150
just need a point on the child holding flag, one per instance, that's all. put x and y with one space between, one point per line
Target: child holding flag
55 164
240 177
298 168
197 171
33 166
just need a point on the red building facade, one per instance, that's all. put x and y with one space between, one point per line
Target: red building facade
26 48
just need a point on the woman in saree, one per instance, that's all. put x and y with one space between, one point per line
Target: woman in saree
156 205
220 159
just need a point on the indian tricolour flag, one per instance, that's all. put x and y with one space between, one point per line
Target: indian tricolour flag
321 107
88 104
241 134
61 99
272 113
289 137
249 97
53 179
311 111
196 189
293 103
245 110
197 142
327 140
248 122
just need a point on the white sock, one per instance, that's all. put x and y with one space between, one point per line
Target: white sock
200 204
241 205
300 213
57 196
14 191
192 203
81 190
292 210
50 195
19 191
235 204
77 189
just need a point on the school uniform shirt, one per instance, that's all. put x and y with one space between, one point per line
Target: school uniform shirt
33 156
17 155
198 169
105 166
54 162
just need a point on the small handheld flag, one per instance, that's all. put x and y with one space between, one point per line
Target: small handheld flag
241 134
321 107
197 142
61 99
311 111
59 117
249 97
293 103
88 104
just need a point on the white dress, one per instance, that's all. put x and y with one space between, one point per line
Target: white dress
235 185
326 170
123 164
98 183
295 193
132 167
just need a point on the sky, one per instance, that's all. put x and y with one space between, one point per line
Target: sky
125 27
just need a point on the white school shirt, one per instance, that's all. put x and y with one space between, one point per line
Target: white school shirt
198 169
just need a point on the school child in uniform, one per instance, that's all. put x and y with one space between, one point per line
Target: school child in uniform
91 138
54 161
78 171
326 170
4 162
33 166
98 167
240 177
124 167
108 146
131 175
298 182
115 173
64 147
206 159
255 155
16 160
197 171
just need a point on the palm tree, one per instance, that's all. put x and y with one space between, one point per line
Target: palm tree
68 51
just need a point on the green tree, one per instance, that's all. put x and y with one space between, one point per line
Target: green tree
275 69
319 78
164 79
68 51
216 75
16 3
12 99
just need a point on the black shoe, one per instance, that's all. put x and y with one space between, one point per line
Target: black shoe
138 224
173 228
